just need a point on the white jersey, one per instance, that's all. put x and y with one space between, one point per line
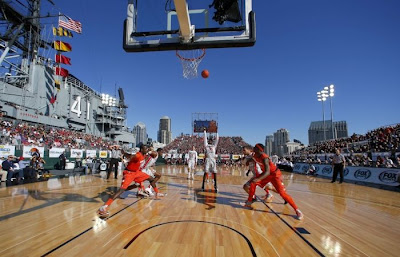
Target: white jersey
192 156
210 149
146 165
192 159
254 166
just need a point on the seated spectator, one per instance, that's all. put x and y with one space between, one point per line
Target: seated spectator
389 163
16 172
311 170
40 168
3 173
7 167
88 162
78 161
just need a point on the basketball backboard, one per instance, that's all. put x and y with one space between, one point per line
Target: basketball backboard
154 25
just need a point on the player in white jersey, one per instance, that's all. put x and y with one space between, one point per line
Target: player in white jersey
146 167
211 162
192 162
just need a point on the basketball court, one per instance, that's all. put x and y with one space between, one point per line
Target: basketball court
58 218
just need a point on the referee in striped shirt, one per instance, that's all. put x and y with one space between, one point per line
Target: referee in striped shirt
114 162
338 165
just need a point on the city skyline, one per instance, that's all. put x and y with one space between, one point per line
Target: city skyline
301 48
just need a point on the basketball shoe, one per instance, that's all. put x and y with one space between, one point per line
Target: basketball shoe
299 214
149 191
246 205
142 193
268 198
103 212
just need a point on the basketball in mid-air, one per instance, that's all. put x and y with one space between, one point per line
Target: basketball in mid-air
205 74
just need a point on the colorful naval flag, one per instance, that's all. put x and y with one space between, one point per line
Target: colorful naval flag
53 99
62 46
62 59
61 72
68 23
57 85
62 32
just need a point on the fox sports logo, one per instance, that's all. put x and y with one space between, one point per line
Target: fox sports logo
388 176
327 170
362 174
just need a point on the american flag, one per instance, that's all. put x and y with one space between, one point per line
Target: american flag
68 23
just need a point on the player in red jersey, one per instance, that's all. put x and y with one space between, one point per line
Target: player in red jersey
132 173
270 174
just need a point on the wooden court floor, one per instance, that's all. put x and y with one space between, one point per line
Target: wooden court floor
58 218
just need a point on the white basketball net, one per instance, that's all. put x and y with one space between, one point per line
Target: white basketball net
190 60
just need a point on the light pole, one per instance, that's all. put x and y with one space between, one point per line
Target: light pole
331 94
321 96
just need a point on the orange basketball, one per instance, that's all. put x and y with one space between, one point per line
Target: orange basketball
205 74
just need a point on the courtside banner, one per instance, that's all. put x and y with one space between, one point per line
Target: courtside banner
76 153
6 150
27 151
201 156
224 156
91 153
381 176
103 154
236 157
56 152
298 167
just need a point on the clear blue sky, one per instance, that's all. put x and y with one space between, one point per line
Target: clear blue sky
301 47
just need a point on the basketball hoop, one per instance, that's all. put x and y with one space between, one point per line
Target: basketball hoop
190 60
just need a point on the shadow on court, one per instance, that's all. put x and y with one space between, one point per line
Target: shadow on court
52 199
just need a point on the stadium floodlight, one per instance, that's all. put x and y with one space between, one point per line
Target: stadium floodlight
321 97
108 100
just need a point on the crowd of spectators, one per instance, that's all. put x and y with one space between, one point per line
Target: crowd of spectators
358 159
23 133
226 145
384 139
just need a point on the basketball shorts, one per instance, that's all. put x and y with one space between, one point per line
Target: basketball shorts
149 172
211 165
191 164
129 177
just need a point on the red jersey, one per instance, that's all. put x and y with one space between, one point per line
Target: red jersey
134 162
260 161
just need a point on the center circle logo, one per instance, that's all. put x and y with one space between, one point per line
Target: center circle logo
362 174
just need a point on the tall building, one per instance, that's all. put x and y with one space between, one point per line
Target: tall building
291 147
164 134
269 143
316 131
281 137
140 131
